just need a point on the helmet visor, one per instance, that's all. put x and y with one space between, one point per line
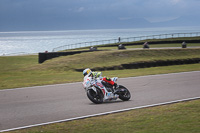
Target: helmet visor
86 72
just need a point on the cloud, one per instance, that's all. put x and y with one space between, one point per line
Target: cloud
175 1
125 18
80 9
41 13
161 19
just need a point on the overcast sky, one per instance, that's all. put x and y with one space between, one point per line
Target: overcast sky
69 14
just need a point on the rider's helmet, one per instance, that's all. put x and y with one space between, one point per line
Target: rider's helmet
87 71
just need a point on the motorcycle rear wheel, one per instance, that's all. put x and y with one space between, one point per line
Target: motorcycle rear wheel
124 93
96 98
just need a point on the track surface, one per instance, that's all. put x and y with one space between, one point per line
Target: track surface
34 105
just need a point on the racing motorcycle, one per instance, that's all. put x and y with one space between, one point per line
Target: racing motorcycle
99 91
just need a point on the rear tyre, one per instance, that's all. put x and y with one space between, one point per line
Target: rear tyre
124 93
96 98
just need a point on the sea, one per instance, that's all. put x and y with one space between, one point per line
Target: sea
33 42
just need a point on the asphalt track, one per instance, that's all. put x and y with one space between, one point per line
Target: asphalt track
34 105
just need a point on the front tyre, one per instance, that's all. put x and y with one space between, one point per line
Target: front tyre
95 97
124 93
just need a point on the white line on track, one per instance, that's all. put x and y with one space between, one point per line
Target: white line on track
99 114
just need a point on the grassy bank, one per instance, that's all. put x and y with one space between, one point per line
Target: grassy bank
175 118
22 71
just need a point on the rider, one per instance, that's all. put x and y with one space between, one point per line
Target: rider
87 71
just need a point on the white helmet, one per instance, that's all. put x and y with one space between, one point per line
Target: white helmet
87 71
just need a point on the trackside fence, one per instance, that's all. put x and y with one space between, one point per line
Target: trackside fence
122 40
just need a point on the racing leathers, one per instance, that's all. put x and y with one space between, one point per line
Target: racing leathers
106 79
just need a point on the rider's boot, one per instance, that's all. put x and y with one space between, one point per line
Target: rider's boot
116 88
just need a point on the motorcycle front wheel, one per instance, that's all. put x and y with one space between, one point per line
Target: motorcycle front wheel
124 93
96 98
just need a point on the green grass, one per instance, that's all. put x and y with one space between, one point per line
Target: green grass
174 118
23 71
113 58
12 63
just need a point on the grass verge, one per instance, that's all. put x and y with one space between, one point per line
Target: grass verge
174 118
23 71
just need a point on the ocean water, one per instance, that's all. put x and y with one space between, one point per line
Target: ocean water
28 42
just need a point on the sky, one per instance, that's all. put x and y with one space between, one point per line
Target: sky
96 14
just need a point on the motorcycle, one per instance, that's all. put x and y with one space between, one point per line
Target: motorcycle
99 91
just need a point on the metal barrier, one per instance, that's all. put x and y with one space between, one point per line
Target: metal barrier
130 39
